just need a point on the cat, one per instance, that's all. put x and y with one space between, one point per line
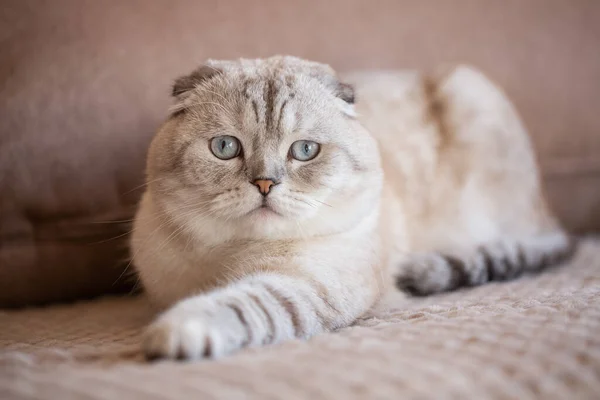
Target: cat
278 207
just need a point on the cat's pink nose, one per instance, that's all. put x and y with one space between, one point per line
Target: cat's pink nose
263 185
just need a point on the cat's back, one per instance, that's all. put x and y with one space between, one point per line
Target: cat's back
454 153
423 122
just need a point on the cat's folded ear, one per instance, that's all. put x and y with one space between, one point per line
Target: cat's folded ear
185 84
345 91
327 76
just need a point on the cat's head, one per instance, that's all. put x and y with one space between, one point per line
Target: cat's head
263 144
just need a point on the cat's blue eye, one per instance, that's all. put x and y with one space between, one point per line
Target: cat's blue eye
225 147
304 150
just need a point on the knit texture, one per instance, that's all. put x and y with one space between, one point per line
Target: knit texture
536 337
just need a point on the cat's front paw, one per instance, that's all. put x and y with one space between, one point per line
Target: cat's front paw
191 331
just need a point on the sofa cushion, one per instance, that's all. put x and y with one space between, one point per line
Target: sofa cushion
83 86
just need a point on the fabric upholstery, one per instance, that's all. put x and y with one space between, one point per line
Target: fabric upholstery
534 338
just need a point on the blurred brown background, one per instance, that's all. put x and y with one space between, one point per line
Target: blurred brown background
84 84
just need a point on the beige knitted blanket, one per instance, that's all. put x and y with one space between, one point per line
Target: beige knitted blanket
537 337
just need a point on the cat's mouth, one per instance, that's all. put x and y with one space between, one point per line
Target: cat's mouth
265 209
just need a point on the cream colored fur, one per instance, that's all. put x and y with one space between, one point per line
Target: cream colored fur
418 177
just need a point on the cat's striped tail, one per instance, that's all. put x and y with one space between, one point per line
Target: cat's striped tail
428 273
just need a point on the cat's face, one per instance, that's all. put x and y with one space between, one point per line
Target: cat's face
263 144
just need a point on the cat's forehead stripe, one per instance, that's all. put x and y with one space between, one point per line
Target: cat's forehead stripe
269 96
246 91
270 99
281 110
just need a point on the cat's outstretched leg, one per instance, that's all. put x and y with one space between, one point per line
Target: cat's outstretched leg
257 310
